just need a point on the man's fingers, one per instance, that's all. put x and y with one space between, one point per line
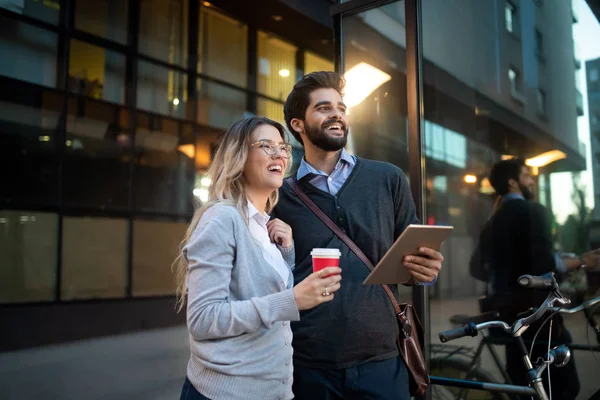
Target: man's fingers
425 262
431 253
423 273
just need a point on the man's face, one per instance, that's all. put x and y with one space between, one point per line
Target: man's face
326 123
526 183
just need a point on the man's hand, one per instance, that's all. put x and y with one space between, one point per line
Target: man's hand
591 259
425 266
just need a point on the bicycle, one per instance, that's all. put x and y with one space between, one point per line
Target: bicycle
462 362
466 362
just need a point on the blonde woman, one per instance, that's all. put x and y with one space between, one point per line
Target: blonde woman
235 267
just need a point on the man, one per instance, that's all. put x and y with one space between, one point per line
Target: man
346 349
517 240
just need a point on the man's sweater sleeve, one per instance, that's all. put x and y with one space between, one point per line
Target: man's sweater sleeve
211 314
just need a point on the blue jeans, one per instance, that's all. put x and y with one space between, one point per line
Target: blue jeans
189 392
375 380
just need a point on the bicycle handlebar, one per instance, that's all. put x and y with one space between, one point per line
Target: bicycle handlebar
582 306
522 324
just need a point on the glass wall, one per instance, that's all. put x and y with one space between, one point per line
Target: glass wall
376 92
108 132
491 95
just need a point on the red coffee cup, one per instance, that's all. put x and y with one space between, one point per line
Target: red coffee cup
323 258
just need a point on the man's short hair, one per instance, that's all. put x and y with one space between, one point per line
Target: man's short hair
503 171
299 99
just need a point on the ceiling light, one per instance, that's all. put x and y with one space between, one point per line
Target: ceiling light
187 149
284 73
277 18
546 158
361 81
206 4
470 178
176 101
486 187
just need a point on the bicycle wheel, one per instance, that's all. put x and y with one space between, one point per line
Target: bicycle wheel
458 368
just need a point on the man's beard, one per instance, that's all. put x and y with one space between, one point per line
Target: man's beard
527 193
319 138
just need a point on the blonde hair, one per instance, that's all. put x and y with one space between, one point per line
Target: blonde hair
227 186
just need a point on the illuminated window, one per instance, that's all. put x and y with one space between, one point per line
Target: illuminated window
96 72
164 30
313 62
223 47
510 16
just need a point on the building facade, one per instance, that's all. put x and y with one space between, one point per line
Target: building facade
111 110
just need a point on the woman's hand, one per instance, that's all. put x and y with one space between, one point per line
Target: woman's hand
317 288
280 233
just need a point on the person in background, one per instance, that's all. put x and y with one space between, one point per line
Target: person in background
517 240
347 348
235 268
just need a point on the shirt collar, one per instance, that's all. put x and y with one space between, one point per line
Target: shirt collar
254 214
511 196
305 168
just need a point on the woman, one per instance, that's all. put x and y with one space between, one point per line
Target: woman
235 267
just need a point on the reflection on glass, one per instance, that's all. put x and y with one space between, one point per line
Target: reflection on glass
219 106
104 18
97 148
313 62
96 72
376 89
490 95
163 178
155 245
32 53
47 10
94 258
28 264
29 116
276 66
223 47
164 30
161 90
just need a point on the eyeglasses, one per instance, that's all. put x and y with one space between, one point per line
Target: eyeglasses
271 147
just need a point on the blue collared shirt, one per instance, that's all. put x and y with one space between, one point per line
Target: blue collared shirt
329 183
333 183
560 264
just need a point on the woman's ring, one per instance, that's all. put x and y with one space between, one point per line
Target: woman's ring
326 292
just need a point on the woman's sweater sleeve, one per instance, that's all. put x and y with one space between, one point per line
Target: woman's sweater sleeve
211 314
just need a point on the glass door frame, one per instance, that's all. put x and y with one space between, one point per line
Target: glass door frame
414 94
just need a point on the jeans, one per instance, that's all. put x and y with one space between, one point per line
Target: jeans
189 392
375 380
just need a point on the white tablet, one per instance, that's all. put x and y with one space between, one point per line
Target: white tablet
390 269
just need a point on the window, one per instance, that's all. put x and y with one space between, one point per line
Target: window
276 66
539 44
96 165
594 75
32 53
541 102
94 258
96 72
223 47
219 106
163 177
164 30
28 246
47 10
161 90
510 16
155 245
104 18
514 78
313 62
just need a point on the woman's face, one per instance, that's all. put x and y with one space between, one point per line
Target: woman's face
263 171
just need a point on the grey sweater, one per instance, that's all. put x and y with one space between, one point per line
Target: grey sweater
238 312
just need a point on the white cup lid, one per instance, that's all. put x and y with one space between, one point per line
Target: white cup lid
326 253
